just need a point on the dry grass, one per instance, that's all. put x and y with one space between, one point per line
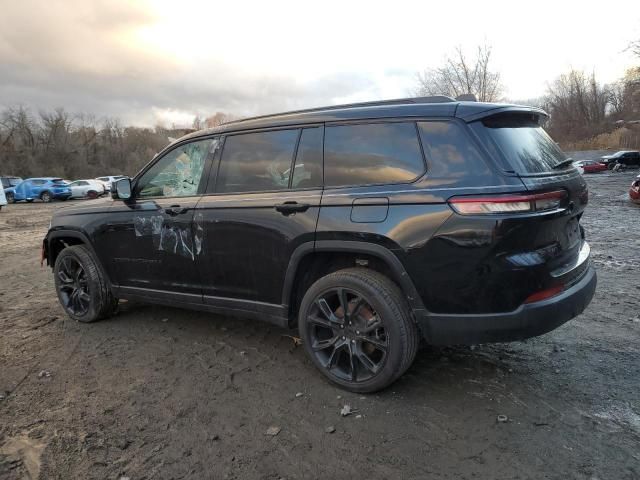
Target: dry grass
627 137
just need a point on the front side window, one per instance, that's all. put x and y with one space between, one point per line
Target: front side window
178 173
253 162
374 153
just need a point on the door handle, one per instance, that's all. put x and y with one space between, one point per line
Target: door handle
287 208
176 210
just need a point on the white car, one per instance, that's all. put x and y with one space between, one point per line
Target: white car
106 181
86 188
3 199
579 166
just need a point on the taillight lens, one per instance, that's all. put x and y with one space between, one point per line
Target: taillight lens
512 203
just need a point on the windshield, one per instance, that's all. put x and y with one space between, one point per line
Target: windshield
518 139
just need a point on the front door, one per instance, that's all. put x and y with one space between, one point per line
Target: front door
150 242
259 209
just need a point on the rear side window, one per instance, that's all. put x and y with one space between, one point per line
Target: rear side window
257 161
450 152
38 182
519 140
374 153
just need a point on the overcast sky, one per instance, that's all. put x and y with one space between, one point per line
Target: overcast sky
153 61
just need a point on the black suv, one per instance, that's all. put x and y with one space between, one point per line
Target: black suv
368 226
626 158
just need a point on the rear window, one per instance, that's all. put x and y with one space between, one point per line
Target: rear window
520 141
366 154
58 181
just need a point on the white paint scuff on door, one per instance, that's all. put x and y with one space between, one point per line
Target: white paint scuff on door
167 237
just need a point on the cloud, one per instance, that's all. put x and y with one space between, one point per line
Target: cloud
91 57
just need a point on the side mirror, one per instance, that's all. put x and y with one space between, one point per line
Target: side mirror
121 189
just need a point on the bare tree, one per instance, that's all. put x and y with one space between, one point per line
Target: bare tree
577 104
218 119
462 74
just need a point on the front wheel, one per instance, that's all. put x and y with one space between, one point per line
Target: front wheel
10 198
358 330
83 290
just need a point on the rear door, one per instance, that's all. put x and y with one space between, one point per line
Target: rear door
263 203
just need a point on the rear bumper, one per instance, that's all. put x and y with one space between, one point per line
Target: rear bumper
527 321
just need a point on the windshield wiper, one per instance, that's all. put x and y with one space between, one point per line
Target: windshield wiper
563 163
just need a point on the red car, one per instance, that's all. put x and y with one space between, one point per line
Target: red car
591 166
634 191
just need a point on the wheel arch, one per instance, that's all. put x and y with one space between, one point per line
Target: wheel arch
57 240
313 260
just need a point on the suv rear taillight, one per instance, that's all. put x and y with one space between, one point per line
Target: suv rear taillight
511 203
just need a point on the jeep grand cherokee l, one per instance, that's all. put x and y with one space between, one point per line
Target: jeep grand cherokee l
367 226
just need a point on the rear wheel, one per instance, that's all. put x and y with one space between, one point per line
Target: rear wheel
10 198
45 197
92 194
83 290
357 329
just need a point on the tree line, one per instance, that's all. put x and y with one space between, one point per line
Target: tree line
57 143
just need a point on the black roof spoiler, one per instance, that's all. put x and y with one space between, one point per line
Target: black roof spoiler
470 112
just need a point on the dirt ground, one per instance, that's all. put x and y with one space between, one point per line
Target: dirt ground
162 393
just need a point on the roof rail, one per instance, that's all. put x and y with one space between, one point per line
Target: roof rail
396 101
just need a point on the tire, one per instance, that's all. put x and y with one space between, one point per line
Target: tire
45 197
94 300
92 194
344 360
10 198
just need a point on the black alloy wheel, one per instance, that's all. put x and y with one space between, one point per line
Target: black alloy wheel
357 328
347 336
73 287
45 197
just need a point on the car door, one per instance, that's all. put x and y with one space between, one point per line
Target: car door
149 244
259 208
76 188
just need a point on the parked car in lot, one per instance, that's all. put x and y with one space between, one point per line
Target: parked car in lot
590 166
626 158
86 189
634 191
45 189
366 226
9 181
108 180
3 199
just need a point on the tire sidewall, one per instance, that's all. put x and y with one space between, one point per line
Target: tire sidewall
93 284
45 197
394 358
